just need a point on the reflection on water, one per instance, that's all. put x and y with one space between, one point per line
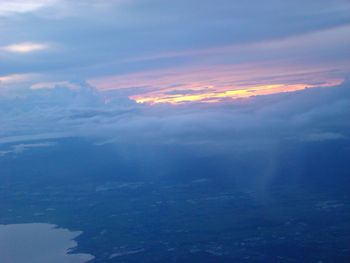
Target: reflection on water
39 242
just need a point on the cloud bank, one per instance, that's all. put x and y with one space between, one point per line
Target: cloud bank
310 115
94 40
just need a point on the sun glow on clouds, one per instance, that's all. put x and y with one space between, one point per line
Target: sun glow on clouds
218 83
26 47
215 96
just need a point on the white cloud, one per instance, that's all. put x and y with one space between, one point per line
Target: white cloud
15 78
16 149
52 85
53 9
8 7
25 47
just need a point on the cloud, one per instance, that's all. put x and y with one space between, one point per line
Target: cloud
232 135
22 6
52 85
25 47
291 63
19 148
220 82
124 37
323 136
319 39
53 110
15 79
308 115
161 49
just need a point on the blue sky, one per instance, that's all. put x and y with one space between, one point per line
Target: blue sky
67 67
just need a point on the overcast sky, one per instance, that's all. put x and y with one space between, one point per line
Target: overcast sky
81 63
59 40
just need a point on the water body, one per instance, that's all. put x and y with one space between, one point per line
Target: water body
40 243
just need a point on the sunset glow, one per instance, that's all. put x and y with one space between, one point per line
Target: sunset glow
213 84
174 131
212 95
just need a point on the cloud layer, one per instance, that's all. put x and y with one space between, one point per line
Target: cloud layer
310 115
94 40
108 55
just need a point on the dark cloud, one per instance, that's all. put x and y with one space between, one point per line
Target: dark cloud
248 141
92 42
313 113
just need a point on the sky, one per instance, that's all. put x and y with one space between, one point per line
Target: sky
174 70
235 93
